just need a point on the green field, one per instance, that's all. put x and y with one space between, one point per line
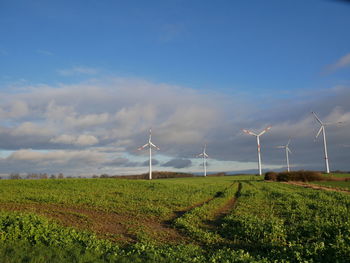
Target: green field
335 184
213 219
337 175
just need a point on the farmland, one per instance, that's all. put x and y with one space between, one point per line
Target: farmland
335 184
213 219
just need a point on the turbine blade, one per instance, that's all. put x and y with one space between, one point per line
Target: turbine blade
289 150
143 147
280 147
151 144
333 123
288 142
319 131
317 118
249 132
200 155
268 128
206 155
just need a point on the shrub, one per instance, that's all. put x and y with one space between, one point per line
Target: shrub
270 176
304 176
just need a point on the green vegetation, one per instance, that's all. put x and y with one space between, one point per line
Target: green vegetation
335 184
213 219
285 223
337 175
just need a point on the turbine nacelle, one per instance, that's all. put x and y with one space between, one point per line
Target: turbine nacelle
255 134
203 154
150 143
286 147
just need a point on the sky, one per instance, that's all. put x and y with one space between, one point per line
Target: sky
81 83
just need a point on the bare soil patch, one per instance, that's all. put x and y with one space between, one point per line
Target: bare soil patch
110 225
227 208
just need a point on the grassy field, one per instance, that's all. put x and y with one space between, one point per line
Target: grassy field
337 175
339 185
213 219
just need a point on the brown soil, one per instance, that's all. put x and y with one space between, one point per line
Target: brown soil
227 208
318 187
180 213
116 227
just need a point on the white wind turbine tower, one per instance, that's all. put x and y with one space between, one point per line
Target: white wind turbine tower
204 155
286 147
150 145
258 143
322 129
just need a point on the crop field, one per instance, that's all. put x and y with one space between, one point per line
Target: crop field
212 219
337 175
335 184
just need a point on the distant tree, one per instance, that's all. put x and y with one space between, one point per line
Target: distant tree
43 176
32 176
53 176
15 176
60 176
95 176
104 176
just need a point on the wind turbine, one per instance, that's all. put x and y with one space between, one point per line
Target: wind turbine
150 145
322 129
286 147
258 143
204 155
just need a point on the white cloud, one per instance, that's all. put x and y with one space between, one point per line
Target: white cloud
44 52
16 109
81 140
112 118
189 124
58 112
86 120
31 129
78 70
60 156
64 139
339 64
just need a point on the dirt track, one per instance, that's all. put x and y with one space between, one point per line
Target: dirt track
318 187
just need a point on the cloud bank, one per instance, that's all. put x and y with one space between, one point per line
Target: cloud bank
97 125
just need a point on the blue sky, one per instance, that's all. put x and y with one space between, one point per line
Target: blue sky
253 56
259 45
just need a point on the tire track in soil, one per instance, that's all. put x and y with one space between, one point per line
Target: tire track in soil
220 213
228 207
180 213
318 187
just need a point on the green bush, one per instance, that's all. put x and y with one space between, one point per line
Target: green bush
304 176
